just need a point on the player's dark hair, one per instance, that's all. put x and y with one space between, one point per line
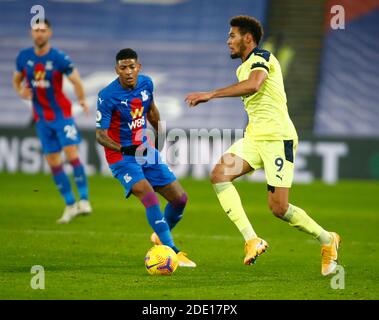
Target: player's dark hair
45 21
248 24
126 54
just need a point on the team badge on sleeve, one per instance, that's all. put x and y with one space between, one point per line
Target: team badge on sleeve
144 95
98 116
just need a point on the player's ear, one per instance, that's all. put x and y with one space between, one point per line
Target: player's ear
116 69
249 37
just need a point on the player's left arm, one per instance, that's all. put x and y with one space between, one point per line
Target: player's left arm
154 118
243 88
76 81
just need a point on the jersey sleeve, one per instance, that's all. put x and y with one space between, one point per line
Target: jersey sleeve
104 112
66 66
19 62
259 63
151 86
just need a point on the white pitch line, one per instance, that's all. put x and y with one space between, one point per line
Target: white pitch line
96 233
146 235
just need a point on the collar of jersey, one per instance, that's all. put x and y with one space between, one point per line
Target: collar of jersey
45 55
120 85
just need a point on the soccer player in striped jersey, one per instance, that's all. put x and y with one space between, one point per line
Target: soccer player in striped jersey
123 109
269 142
38 77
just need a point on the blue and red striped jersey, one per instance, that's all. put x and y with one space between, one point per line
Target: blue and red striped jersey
123 112
44 75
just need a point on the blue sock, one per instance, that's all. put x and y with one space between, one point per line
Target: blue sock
174 211
63 183
157 221
80 178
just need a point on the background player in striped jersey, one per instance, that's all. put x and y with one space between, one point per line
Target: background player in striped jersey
269 142
39 77
123 108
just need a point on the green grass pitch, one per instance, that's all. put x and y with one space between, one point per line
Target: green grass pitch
102 256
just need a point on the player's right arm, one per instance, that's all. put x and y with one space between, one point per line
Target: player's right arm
18 82
258 69
239 89
22 90
103 121
103 138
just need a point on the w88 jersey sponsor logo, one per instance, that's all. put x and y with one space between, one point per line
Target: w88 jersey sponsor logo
138 118
138 121
136 124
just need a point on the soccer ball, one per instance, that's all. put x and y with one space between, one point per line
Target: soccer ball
161 260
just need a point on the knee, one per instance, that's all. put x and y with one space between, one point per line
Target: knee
217 175
279 209
71 153
54 165
180 201
54 160
72 158
139 192
142 190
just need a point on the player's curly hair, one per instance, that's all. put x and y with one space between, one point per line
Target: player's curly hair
126 53
247 24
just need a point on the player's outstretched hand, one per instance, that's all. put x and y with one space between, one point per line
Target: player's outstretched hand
26 93
85 106
195 98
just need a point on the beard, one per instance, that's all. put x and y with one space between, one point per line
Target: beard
241 48
41 44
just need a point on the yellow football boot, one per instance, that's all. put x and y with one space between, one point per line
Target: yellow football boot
254 248
184 261
329 255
